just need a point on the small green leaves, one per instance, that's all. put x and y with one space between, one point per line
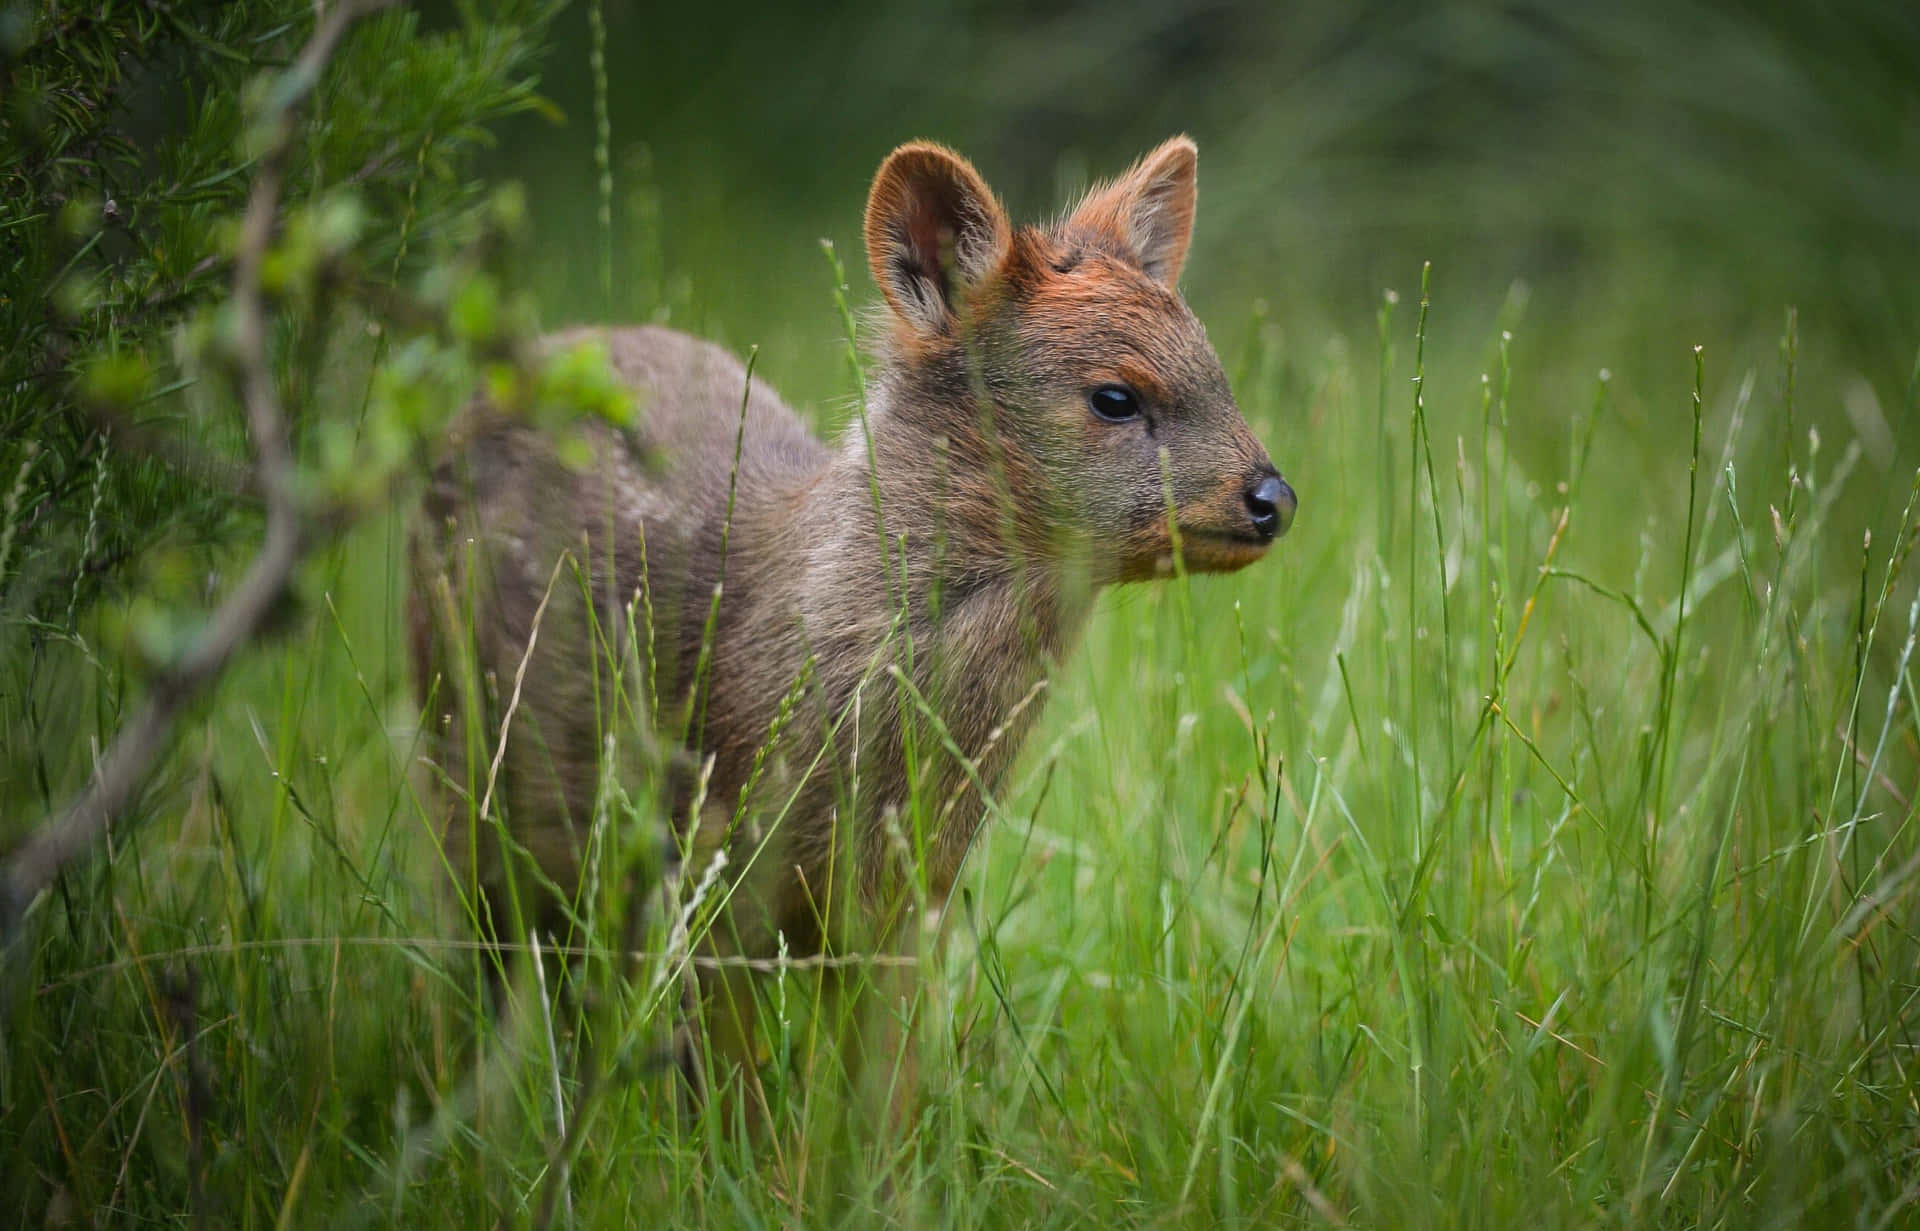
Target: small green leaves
474 313
82 215
115 381
507 209
580 380
316 238
404 386
78 294
574 449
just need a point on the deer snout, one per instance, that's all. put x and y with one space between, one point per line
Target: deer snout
1270 503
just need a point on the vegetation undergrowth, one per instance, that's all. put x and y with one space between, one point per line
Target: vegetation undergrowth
1430 874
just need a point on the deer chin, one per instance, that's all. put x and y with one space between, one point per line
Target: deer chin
1216 551
1201 551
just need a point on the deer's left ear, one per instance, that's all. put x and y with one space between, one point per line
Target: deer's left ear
1149 209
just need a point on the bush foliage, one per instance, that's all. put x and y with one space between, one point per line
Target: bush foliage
129 134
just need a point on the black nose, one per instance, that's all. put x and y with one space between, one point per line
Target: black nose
1270 502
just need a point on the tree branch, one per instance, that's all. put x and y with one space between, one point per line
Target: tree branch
37 861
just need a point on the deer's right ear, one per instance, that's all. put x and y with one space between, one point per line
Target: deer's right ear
934 233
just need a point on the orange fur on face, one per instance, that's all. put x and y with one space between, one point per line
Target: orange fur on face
1083 318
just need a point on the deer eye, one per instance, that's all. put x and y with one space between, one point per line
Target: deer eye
1114 403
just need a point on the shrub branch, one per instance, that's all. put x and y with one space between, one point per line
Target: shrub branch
85 823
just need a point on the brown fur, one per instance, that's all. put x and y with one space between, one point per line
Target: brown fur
1007 502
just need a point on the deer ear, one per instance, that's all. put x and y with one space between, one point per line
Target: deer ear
1149 209
934 232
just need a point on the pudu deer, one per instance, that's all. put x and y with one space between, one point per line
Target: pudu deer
849 642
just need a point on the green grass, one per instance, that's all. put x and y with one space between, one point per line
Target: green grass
1524 843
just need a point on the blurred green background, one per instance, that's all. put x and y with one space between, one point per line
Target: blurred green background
1614 182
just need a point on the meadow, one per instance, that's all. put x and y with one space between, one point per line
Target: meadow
1529 840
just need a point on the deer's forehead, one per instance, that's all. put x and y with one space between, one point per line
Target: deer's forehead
1088 315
